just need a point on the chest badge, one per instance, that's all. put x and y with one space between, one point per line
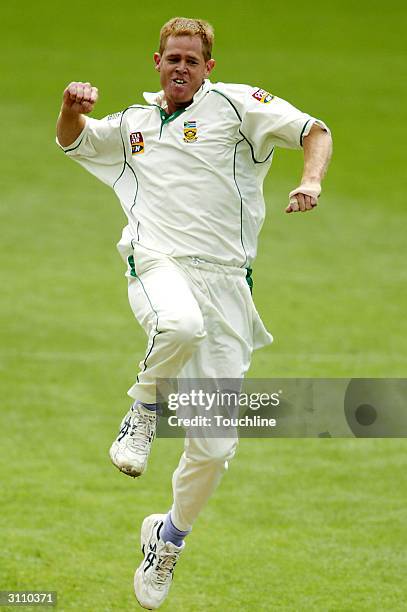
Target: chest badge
136 143
190 131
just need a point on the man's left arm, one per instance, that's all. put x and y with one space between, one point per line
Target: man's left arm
317 147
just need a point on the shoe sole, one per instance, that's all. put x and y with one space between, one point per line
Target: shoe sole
125 469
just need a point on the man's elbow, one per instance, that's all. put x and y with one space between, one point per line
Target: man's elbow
319 130
319 137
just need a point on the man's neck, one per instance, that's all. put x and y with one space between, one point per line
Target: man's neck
173 108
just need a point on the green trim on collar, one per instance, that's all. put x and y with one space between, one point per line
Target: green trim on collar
166 118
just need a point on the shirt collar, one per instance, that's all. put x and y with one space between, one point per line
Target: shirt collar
158 97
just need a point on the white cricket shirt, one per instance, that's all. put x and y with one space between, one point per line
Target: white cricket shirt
191 184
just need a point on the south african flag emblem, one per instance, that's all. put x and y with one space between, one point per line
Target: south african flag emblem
190 131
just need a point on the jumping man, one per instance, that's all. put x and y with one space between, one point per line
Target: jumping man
188 168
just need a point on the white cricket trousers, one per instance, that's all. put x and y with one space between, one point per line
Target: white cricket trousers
201 323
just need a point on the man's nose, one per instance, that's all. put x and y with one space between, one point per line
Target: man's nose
181 66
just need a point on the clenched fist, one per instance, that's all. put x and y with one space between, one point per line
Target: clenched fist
80 97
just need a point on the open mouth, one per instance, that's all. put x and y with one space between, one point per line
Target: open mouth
179 81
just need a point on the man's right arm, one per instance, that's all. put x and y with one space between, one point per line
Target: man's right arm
79 99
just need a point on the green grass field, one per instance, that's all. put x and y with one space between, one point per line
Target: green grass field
297 525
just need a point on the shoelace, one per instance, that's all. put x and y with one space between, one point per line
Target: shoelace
142 432
164 568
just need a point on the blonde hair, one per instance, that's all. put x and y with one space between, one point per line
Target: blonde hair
183 26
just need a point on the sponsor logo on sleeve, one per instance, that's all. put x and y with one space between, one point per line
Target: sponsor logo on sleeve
136 143
262 96
190 131
114 116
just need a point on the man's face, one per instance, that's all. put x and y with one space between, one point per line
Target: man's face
182 69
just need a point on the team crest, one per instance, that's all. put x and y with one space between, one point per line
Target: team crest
136 143
190 131
262 96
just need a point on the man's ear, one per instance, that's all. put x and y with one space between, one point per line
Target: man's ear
210 65
157 61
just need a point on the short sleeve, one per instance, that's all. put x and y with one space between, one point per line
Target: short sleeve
269 121
99 148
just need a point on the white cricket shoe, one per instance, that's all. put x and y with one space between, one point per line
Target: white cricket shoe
130 451
153 577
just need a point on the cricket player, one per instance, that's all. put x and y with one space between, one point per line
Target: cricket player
188 167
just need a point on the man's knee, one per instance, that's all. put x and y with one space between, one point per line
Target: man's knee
211 450
187 331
